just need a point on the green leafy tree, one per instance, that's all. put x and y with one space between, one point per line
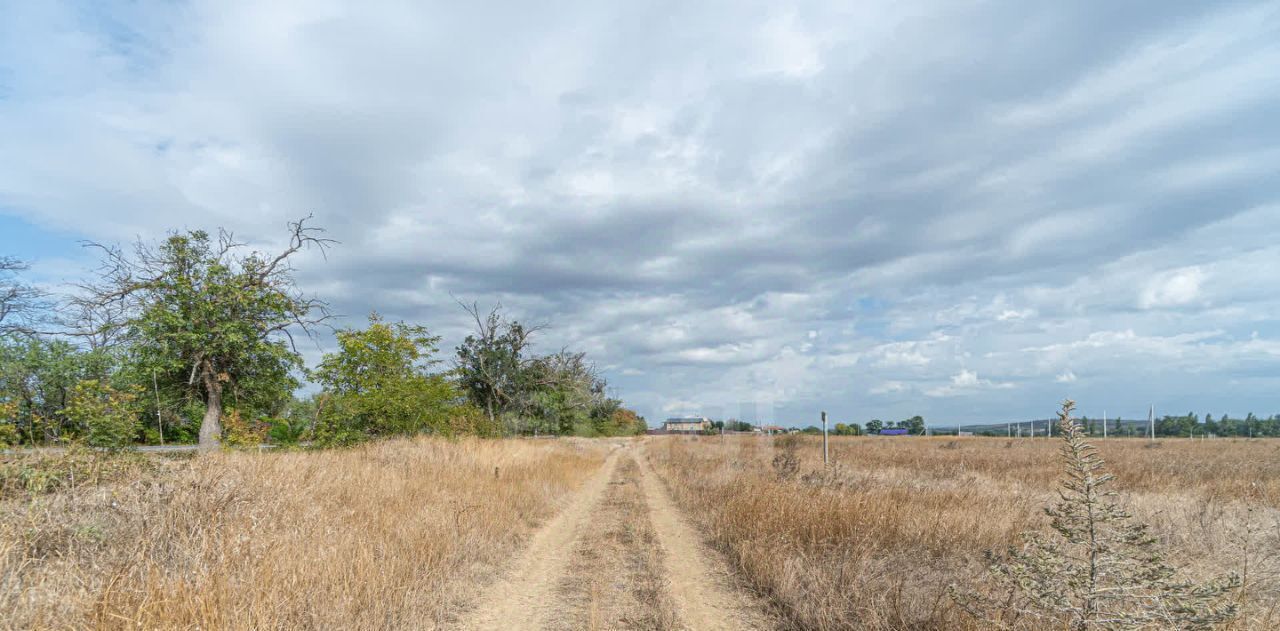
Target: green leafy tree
626 422
1103 570
491 364
874 426
563 393
37 376
848 429
382 384
109 415
206 316
913 425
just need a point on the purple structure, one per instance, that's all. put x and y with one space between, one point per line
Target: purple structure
893 432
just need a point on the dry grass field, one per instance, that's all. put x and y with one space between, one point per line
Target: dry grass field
874 543
661 533
390 535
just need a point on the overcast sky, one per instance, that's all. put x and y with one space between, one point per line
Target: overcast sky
965 210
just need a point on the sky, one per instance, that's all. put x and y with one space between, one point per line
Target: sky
965 210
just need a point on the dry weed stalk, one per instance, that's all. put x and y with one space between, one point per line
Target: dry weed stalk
786 463
1104 570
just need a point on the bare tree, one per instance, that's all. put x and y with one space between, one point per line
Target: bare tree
20 304
491 362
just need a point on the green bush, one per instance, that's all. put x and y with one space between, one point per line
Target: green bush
109 416
239 431
8 434
286 431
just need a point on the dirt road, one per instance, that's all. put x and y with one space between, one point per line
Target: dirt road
620 556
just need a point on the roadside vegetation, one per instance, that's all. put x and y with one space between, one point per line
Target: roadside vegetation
195 338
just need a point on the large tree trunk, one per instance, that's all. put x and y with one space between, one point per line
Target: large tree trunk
211 426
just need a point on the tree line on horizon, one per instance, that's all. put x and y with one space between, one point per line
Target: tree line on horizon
913 425
194 339
1168 426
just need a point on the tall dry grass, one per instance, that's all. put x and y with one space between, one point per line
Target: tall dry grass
389 535
873 542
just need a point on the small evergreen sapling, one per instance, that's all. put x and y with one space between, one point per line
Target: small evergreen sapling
1102 570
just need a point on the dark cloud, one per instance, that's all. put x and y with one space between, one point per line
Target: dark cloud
957 209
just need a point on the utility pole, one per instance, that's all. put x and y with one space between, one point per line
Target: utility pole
155 384
825 453
1009 430
1151 421
1104 423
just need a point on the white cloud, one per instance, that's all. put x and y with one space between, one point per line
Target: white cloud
1012 314
887 387
1176 288
966 382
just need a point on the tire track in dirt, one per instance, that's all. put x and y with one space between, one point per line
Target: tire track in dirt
525 599
616 580
701 586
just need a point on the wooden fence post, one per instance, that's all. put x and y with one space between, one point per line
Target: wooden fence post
825 454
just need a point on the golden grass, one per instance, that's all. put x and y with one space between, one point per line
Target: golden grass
391 535
874 542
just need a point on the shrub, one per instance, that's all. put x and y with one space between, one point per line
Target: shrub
1103 570
8 434
242 432
108 415
38 473
287 431
382 382
786 463
8 428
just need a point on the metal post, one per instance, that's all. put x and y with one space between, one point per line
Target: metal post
1151 421
1104 423
825 454
155 384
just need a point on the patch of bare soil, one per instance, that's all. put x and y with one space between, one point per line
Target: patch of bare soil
525 599
615 580
621 556
703 590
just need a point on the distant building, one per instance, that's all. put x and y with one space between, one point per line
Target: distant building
686 424
773 429
894 431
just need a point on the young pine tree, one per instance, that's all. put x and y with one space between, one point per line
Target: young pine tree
1100 570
